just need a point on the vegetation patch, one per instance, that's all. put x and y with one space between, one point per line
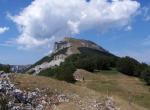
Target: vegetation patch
89 60
94 60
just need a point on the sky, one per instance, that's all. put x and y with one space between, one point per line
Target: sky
29 28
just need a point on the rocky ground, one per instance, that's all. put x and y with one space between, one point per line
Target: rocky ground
13 98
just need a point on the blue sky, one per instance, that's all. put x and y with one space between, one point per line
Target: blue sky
29 28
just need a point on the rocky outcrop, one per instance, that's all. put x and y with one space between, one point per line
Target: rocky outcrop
72 42
13 98
61 45
79 74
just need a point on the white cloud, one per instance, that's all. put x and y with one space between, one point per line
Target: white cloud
3 29
45 21
74 26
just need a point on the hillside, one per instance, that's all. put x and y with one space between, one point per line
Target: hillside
65 48
71 54
128 93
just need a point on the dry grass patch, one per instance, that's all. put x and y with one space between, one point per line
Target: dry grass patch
113 83
94 87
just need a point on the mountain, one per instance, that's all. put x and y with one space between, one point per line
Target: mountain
13 68
65 48
18 68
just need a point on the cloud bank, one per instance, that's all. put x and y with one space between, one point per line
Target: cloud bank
46 21
3 29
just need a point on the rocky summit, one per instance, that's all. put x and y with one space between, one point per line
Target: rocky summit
73 44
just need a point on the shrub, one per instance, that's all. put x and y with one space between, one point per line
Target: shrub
5 68
63 72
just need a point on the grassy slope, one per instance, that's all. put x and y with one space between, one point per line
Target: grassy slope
95 85
115 84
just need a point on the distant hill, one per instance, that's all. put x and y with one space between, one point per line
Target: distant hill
13 68
19 68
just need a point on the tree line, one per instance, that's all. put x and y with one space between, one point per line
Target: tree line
132 67
92 62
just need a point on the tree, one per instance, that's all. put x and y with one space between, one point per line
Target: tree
65 72
139 69
86 63
103 63
127 66
146 75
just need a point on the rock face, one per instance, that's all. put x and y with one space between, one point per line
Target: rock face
45 65
61 45
72 42
71 45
